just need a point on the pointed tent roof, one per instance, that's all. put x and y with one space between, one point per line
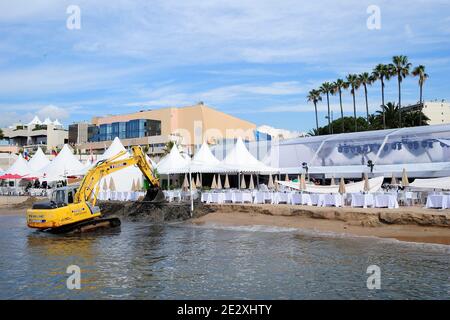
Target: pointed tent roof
20 167
57 123
115 147
38 161
204 161
47 121
64 164
172 163
35 121
239 159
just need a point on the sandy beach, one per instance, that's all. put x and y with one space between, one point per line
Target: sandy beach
347 221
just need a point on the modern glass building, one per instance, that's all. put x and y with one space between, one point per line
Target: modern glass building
137 128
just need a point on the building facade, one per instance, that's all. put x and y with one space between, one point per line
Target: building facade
188 126
47 134
437 111
81 132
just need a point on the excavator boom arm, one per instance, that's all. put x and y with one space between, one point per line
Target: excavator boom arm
90 185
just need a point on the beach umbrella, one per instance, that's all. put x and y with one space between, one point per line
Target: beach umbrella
393 180
199 182
227 182
193 186
286 178
185 186
276 183
251 186
333 182
342 186
112 186
299 181
243 185
219 182
270 185
302 182
214 184
405 181
105 185
366 183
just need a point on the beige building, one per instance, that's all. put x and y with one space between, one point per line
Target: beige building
48 134
188 126
437 111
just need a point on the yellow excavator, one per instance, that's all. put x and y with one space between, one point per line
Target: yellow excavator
73 208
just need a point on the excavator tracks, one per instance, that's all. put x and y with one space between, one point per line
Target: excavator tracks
88 226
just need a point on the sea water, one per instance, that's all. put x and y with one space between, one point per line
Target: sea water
181 261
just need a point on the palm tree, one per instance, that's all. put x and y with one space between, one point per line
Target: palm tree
366 79
382 72
353 82
391 111
314 97
168 146
327 88
338 85
400 67
419 71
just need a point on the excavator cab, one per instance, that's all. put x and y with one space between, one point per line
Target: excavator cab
60 197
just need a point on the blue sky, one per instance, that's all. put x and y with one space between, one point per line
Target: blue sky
253 59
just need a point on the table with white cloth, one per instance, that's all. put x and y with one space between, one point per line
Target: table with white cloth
262 197
316 199
280 197
438 201
216 197
386 200
241 197
171 195
300 198
330 200
362 200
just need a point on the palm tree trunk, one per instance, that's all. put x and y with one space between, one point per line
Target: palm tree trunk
329 122
399 103
317 119
354 110
342 110
367 103
382 103
421 106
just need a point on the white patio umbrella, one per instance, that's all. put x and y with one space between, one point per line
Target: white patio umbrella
243 185
112 186
276 183
227 182
270 185
193 186
366 183
185 186
333 182
214 184
302 182
199 182
286 178
219 182
393 180
405 181
251 185
105 185
342 186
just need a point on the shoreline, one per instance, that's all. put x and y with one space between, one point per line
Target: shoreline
323 220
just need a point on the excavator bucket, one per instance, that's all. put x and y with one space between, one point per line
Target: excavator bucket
154 195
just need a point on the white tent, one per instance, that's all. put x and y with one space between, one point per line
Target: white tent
57 123
35 121
172 163
38 161
239 159
47 121
204 161
63 165
374 186
21 168
123 179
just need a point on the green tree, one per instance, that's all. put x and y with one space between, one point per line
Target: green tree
338 85
168 146
400 67
327 88
419 71
354 84
382 72
366 79
1 134
314 97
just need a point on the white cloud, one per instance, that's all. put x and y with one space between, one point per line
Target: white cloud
53 112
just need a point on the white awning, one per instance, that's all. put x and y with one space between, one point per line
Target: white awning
172 163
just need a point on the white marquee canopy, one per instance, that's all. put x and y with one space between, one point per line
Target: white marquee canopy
38 161
172 163
20 167
63 165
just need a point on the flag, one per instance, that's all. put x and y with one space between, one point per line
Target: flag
26 156
54 152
